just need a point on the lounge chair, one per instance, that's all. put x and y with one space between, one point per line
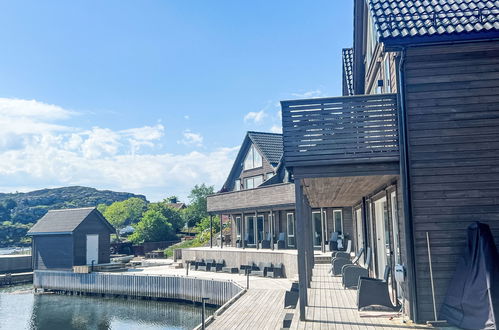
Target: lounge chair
281 242
342 254
276 271
338 262
333 241
217 265
352 273
195 264
265 244
246 268
262 269
206 265
291 296
373 291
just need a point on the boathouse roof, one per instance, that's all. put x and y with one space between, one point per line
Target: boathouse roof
65 221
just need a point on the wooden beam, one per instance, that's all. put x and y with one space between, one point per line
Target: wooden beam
221 232
301 247
243 243
211 231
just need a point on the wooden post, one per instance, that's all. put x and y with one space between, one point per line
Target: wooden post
243 243
301 247
271 229
323 241
221 232
310 241
211 231
255 231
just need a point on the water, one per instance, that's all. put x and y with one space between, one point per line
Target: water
21 309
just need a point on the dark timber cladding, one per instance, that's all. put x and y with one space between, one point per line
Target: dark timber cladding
338 130
452 102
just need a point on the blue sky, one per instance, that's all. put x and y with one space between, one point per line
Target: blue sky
152 97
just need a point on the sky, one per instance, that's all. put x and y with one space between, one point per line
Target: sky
153 97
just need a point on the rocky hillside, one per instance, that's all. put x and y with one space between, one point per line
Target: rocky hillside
29 207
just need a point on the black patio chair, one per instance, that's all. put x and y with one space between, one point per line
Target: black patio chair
373 291
206 265
281 241
277 270
217 265
195 264
243 269
261 269
352 273
265 244
291 296
338 263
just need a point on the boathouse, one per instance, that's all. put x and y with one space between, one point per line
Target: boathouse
65 238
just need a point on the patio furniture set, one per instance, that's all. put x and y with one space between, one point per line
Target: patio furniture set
262 269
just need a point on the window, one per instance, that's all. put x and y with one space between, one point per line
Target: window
338 221
291 229
253 182
387 84
253 159
238 227
237 185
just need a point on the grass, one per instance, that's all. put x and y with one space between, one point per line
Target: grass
199 240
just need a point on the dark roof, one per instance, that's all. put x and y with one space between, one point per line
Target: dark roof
347 55
415 21
64 221
177 206
269 144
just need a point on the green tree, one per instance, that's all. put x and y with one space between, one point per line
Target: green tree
124 213
153 227
172 215
197 209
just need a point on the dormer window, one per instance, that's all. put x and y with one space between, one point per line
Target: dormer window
253 159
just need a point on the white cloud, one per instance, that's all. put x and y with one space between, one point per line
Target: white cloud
276 129
191 138
256 117
186 117
46 153
309 94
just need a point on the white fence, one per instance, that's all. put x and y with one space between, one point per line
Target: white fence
167 287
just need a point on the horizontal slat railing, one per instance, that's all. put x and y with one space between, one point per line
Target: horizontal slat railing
150 286
340 130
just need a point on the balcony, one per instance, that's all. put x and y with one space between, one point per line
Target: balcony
340 130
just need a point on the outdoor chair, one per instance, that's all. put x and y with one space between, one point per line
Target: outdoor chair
342 254
217 265
373 291
276 271
195 264
352 273
291 296
265 244
230 270
281 242
246 268
333 241
246 240
206 265
338 263
262 269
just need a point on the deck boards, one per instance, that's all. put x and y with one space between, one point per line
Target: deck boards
332 307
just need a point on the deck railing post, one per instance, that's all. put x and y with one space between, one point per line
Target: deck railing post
203 325
301 247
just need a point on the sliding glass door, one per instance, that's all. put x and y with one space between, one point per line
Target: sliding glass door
317 228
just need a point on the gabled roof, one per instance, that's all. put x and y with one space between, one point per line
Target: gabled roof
177 206
269 145
418 21
347 56
65 221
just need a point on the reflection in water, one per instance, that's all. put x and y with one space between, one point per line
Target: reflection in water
48 312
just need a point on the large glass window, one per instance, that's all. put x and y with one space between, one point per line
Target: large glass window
317 223
237 185
238 227
387 83
253 182
290 220
253 159
338 221
360 233
250 230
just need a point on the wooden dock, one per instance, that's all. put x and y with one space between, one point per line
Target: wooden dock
333 307
141 286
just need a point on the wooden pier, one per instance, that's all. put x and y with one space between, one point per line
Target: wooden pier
141 286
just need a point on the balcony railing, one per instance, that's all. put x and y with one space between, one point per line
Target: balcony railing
340 130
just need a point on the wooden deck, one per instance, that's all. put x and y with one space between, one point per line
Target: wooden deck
333 307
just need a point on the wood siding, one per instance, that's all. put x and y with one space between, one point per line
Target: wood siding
267 197
452 103
91 225
53 252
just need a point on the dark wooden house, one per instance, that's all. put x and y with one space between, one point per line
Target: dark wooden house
412 147
259 196
65 238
